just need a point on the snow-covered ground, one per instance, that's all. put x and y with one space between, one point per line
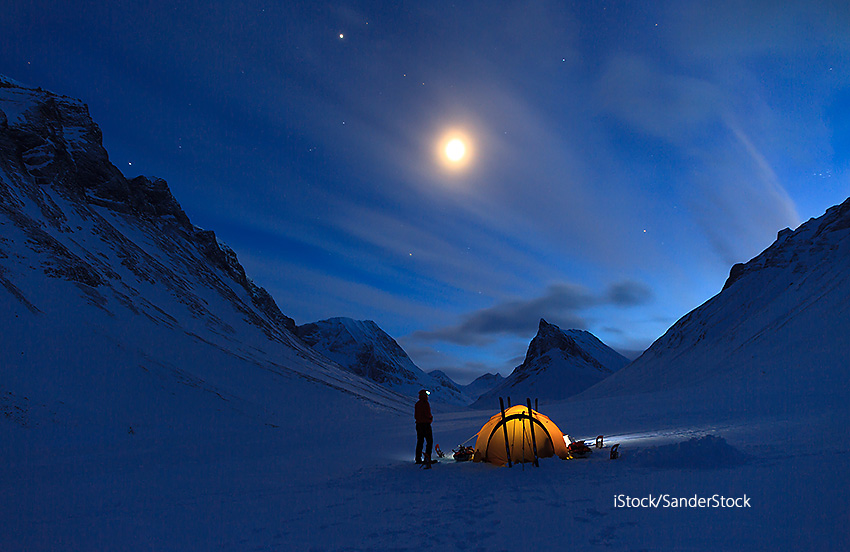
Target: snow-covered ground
340 477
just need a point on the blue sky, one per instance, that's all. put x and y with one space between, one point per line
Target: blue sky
622 155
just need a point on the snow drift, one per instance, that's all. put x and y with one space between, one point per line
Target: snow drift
707 452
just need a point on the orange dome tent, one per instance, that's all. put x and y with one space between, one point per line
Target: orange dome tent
490 445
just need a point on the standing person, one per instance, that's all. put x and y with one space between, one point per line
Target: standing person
422 413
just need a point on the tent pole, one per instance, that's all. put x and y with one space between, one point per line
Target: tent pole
533 438
505 427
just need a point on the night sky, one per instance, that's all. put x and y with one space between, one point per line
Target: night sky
620 156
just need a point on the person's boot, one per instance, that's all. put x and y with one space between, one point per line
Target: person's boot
427 462
418 460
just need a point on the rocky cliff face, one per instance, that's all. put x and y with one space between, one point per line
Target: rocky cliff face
794 249
557 365
59 188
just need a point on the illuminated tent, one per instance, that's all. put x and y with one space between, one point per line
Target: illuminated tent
490 445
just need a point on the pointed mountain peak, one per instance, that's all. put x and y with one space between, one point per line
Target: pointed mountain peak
558 364
548 331
553 330
550 336
577 343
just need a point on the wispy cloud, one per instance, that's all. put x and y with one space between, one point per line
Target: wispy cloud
562 304
737 199
663 104
730 187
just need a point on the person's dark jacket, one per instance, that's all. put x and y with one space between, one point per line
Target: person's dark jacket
422 412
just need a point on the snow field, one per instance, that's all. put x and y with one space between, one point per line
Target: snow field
343 479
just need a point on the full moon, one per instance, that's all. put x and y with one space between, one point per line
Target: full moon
455 150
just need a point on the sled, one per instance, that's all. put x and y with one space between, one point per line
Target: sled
463 454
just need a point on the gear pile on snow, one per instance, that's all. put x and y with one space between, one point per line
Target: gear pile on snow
579 449
463 454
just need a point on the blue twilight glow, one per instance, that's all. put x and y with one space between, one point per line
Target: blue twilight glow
618 157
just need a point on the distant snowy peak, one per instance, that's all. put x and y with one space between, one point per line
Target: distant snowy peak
482 384
445 381
361 347
578 344
559 364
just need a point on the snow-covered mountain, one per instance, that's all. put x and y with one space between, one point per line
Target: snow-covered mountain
482 384
117 310
446 381
558 364
778 334
363 348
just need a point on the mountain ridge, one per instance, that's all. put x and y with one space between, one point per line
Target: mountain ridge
94 261
482 384
777 319
558 364
363 348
